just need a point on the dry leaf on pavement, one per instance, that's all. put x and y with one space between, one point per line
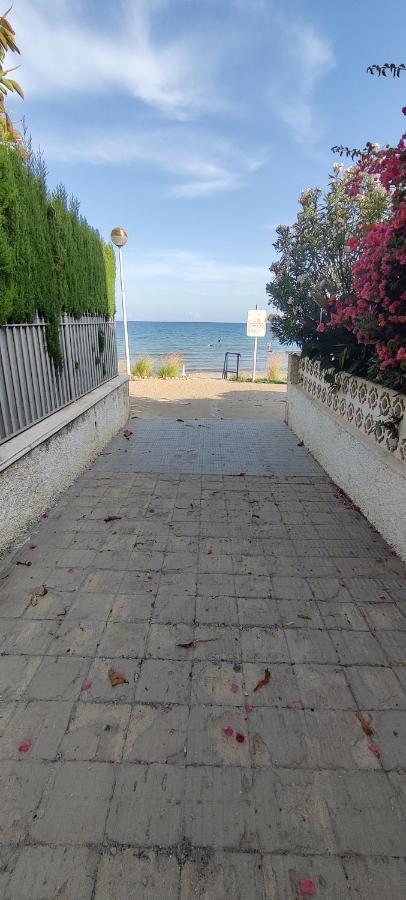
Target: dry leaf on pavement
264 681
116 678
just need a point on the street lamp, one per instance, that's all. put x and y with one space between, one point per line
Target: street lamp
119 237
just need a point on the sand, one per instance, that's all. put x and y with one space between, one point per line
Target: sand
206 395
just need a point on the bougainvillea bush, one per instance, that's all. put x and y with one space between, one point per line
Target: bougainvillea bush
375 310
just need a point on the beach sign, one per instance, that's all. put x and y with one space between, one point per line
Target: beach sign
256 323
256 327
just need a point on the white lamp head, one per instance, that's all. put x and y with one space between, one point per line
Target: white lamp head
119 237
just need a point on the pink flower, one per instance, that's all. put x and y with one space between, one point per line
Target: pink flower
321 327
234 687
228 731
25 746
240 738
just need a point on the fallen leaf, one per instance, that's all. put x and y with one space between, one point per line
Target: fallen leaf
228 731
303 616
21 562
36 596
86 685
264 681
240 737
33 547
112 518
180 420
306 887
365 725
150 578
209 552
127 434
45 515
234 687
25 746
188 645
373 747
301 444
116 678
62 614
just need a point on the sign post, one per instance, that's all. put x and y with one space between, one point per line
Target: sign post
256 327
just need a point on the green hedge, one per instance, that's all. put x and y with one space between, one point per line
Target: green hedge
51 261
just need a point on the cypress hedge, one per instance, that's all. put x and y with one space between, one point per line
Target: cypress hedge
51 261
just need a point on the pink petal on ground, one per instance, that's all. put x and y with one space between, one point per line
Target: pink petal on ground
228 731
248 708
33 546
86 685
373 747
45 515
70 571
234 687
240 738
306 887
24 746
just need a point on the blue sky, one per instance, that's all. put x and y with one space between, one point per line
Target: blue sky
195 124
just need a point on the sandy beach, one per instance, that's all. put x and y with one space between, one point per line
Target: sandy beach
206 395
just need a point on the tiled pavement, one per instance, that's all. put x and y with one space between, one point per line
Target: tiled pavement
135 790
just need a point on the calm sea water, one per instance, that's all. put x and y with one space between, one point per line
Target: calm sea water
202 344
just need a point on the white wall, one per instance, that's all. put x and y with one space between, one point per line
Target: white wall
37 465
373 478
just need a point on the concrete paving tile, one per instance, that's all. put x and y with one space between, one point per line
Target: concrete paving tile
282 689
375 687
174 610
217 684
252 586
132 608
44 873
221 875
13 603
386 616
21 787
323 687
142 561
16 672
181 561
278 737
42 723
390 735
208 744
93 607
164 681
96 732
57 678
264 645
27 637
101 688
164 642
337 740
101 581
258 611
76 638
302 613
157 734
123 639
330 589
215 586
82 790
357 648
216 642
307 645
219 807
114 560
283 874
6 712
393 644
344 615
375 877
216 611
366 813
294 816
285 588
146 807
132 873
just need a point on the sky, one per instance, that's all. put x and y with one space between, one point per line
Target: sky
195 124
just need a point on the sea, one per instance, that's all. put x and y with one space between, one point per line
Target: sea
201 344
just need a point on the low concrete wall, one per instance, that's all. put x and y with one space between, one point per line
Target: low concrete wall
37 465
371 475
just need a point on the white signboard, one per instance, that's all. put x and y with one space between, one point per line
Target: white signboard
256 322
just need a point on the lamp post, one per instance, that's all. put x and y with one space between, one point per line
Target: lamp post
119 237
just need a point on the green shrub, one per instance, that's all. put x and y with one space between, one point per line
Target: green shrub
142 368
275 375
51 261
172 366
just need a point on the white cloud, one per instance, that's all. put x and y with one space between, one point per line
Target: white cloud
62 53
305 58
206 164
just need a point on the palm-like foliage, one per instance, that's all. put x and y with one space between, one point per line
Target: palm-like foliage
7 85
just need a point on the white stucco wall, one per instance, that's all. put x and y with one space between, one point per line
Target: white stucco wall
370 475
37 465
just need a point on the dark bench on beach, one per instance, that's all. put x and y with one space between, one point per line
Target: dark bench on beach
226 368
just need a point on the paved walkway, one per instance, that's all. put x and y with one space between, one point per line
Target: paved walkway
186 583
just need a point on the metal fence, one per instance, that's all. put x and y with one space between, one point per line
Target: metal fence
31 388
